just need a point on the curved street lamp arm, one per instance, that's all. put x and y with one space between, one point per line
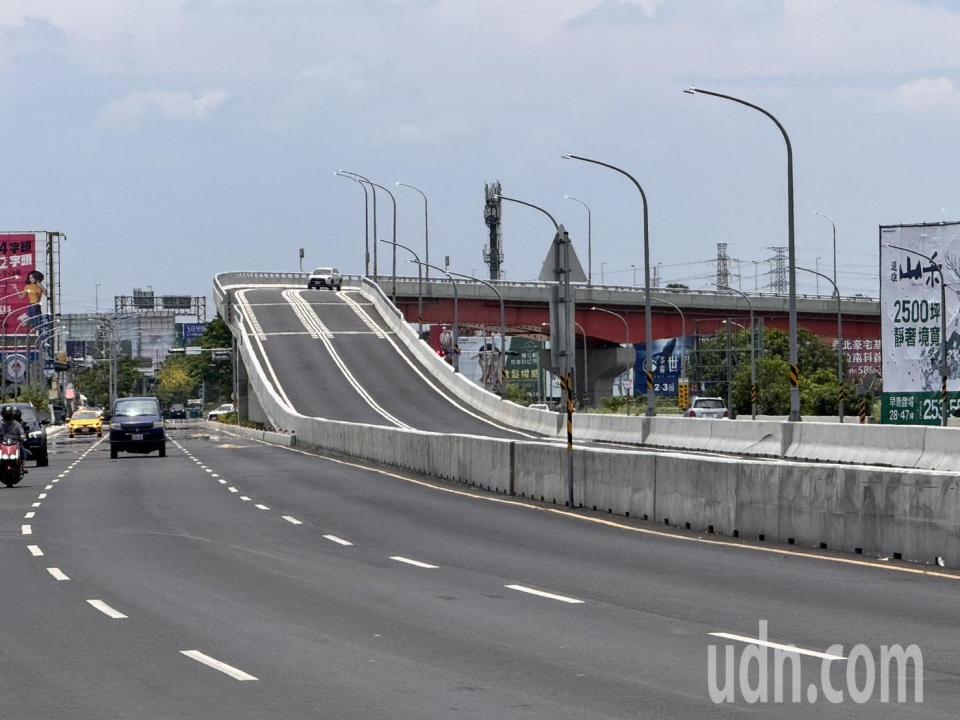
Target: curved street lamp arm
556 225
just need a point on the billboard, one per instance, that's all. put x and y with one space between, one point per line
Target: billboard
18 258
666 365
910 319
192 331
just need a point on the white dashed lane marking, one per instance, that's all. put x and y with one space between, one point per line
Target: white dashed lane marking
541 593
35 550
57 573
415 563
107 610
338 540
218 665
292 520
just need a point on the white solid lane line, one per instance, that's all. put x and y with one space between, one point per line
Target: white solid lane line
261 507
541 593
107 610
26 530
35 550
777 646
415 563
217 665
292 520
338 541
57 573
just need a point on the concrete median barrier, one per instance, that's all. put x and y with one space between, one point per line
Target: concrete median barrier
941 449
893 445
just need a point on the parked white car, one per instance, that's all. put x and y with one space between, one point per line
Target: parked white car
707 407
224 409
325 277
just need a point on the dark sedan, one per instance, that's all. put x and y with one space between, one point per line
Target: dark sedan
136 427
36 430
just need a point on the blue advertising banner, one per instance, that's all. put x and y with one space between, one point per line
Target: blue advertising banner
192 331
666 366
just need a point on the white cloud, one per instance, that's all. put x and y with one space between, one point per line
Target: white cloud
132 108
926 95
922 97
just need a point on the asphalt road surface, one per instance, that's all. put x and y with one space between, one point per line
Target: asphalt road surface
263 582
386 386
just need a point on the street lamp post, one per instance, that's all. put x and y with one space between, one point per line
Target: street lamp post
753 346
456 314
648 315
503 322
589 237
683 332
601 271
426 226
944 399
836 292
626 327
394 243
791 249
356 177
587 400
366 222
419 283
834 225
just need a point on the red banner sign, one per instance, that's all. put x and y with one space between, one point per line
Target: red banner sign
18 258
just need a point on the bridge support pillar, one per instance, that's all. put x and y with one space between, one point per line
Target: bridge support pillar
604 365
248 406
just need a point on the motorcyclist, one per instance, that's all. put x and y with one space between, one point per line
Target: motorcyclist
11 428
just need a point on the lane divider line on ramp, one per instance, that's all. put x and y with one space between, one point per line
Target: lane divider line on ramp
445 396
310 321
364 317
244 312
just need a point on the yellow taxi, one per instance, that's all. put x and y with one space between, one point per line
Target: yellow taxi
85 422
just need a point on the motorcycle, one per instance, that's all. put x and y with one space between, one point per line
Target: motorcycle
11 462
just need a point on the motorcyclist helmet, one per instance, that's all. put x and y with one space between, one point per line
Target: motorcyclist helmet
7 413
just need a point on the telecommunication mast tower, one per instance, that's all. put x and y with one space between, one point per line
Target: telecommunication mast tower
493 251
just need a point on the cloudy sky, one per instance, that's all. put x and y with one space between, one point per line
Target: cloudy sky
173 139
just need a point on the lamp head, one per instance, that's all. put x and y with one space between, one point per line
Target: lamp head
690 90
567 156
